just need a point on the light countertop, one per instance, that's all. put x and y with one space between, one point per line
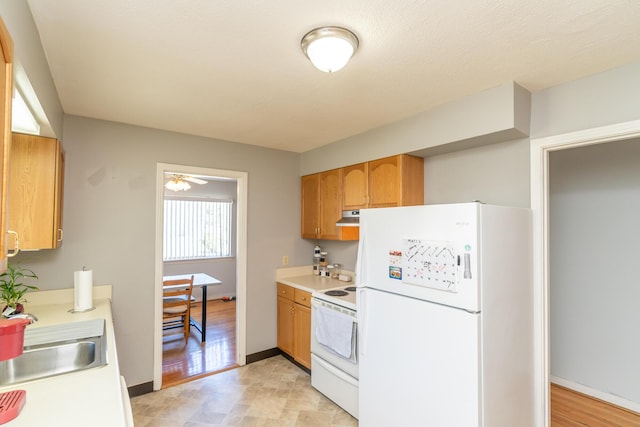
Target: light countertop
302 278
91 397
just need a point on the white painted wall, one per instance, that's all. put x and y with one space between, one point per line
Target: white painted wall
594 252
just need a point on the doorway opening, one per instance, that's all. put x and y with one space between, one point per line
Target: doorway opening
540 153
225 304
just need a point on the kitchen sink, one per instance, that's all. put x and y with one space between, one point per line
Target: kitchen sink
66 350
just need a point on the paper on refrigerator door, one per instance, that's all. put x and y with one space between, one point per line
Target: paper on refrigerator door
429 263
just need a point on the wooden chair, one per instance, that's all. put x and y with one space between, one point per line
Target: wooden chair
176 304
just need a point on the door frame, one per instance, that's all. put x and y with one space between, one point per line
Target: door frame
539 162
241 179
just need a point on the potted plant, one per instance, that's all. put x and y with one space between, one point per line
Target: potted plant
12 289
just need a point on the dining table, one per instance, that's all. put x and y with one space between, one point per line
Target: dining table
200 280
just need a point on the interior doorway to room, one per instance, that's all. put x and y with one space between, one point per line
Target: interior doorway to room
201 230
540 204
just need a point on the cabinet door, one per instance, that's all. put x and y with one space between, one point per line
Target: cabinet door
310 198
384 182
302 332
412 180
355 186
286 317
330 204
34 191
6 94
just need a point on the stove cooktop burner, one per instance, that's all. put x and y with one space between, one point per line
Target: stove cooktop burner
336 293
350 289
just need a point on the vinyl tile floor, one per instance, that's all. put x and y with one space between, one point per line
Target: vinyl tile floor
271 392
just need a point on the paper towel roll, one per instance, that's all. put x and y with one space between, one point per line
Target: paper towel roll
83 290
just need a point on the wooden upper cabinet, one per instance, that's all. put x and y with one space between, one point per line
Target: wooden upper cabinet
36 191
321 205
355 186
392 181
330 204
310 186
6 95
396 181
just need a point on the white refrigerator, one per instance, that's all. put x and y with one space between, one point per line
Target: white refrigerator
445 316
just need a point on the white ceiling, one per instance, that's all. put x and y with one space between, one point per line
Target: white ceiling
233 69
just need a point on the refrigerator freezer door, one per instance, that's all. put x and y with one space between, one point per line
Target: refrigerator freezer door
419 363
426 252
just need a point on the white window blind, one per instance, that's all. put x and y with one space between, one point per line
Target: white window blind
196 229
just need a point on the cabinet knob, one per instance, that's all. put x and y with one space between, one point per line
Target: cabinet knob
304 298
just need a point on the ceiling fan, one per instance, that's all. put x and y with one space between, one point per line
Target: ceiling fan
178 182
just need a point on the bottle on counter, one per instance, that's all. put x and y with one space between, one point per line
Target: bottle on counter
335 270
316 260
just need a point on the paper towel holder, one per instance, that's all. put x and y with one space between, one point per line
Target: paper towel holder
83 291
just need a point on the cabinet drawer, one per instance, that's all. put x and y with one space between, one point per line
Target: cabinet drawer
285 291
302 297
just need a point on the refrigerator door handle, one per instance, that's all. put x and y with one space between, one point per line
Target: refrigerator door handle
362 321
467 266
360 267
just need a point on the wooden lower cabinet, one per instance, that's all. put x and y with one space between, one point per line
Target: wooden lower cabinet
302 335
294 323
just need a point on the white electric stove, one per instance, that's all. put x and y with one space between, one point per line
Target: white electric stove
335 375
344 296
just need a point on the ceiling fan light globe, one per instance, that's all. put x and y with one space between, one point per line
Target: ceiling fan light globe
177 184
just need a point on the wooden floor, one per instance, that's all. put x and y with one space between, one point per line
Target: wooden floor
182 362
572 409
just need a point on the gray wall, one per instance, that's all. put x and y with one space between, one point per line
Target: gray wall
598 100
110 224
594 252
495 174
494 115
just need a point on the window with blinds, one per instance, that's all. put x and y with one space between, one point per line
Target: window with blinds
196 229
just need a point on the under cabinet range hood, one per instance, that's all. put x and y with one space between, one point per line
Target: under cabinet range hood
349 219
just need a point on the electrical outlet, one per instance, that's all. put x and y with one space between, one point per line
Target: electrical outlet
285 260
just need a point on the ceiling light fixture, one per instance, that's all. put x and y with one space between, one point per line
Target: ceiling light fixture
329 48
177 184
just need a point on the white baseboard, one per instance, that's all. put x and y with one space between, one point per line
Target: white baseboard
607 397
